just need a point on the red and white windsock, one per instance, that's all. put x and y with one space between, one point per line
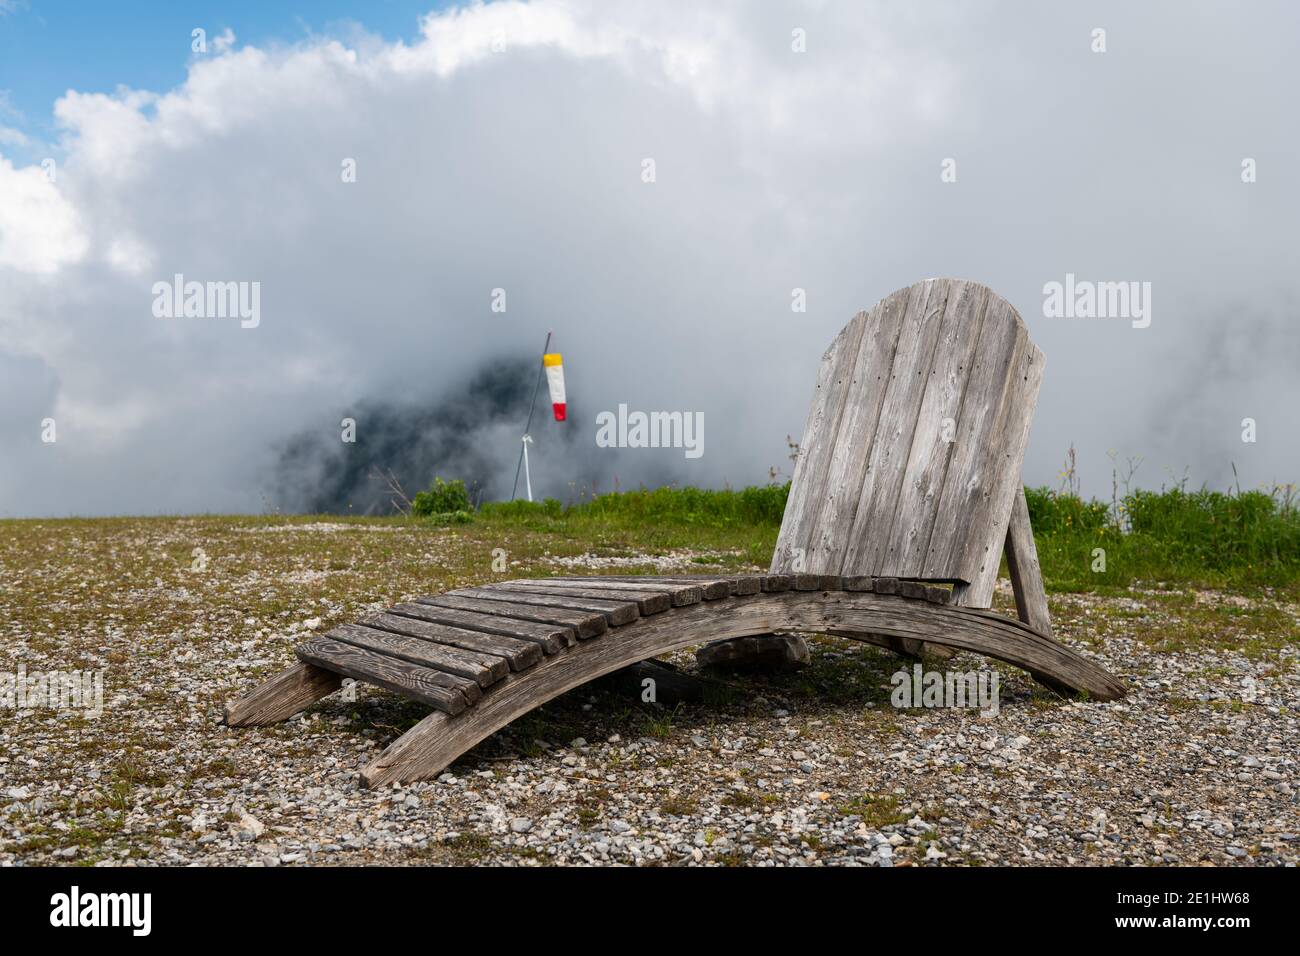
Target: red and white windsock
555 379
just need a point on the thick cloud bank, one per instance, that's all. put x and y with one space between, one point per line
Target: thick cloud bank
506 149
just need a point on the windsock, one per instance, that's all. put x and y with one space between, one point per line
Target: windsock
555 380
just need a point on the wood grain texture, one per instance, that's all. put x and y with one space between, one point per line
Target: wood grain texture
549 637
887 334
878 487
484 669
815 448
992 431
932 443
282 696
615 612
646 601
446 692
436 741
861 538
1001 473
714 587
519 654
681 593
586 624
711 587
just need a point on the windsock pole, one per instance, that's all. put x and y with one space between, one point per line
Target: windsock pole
523 449
528 478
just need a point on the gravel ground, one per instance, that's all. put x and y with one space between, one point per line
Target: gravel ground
1197 766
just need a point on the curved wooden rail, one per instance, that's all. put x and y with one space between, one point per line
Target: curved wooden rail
440 738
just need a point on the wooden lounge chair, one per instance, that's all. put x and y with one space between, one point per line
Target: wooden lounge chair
906 494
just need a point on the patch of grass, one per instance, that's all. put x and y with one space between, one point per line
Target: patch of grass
661 726
876 811
468 845
591 805
1169 624
679 806
1215 539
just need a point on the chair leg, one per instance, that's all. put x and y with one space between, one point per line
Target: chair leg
1026 575
1027 581
283 696
419 753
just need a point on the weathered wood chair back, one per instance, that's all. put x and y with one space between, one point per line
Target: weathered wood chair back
910 460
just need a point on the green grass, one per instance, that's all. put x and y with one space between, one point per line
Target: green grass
1247 539
875 811
744 521
693 507
1243 540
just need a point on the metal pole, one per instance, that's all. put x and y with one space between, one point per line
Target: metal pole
523 451
528 480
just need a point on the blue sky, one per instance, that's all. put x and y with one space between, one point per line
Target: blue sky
50 46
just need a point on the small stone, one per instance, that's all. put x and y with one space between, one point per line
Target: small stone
521 825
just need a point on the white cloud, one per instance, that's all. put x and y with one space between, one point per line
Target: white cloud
129 255
224 42
40 230
502 148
